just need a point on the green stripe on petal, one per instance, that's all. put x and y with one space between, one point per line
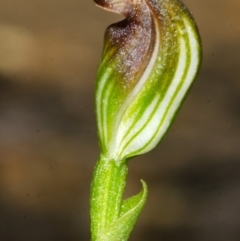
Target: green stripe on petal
149 61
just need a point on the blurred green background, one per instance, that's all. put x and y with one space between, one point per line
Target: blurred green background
49 52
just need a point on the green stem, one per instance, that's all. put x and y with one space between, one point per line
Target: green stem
107 188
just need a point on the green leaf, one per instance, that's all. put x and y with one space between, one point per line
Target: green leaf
131 208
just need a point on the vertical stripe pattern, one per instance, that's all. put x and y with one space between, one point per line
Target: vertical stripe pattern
149 61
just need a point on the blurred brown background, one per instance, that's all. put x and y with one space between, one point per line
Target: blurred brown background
49 51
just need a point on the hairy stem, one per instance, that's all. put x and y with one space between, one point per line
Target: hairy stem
107 188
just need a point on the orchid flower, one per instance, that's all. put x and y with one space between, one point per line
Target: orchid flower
148 64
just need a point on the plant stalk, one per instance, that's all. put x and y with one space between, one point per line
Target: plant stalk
107 189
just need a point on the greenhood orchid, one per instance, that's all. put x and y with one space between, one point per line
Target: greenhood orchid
148 64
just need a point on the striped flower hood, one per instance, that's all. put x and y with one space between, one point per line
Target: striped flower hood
149 61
